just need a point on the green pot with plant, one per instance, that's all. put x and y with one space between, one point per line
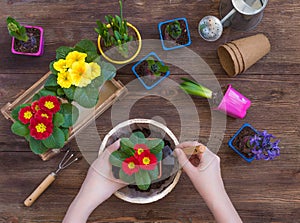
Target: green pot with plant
119 42
26 40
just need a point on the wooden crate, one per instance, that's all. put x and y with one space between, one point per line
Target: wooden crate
111 91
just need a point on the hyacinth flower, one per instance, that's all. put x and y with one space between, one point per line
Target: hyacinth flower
233 103
262 146
137 160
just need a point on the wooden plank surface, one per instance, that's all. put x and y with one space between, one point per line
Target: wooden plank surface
261 191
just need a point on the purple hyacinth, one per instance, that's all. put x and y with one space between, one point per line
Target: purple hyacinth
263 147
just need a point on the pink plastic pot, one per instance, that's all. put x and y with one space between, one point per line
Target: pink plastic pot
234 103
41 46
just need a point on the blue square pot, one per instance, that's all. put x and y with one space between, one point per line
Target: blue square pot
147 85
235 149
177 46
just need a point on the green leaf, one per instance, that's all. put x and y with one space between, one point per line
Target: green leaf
142 179
108 71
66 133
58 119
69 92
98 81
56 139
125 177
155 145
51 81
36 97
37 146
137 138
87 96
159 156
127 146
117 157
20 129
45 92
92 56
63 51
15 112
70 113
154 173
60 92
85 46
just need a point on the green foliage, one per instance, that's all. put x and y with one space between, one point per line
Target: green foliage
193 88
16 30
20 129
143 177
174 29
117 34
70 114
156 67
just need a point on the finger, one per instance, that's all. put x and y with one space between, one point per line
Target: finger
183 160
188 144
206 158
113 147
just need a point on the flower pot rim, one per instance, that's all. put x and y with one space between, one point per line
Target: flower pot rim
41 46
227 109
179 45
169 188
139 39
149 87
249 160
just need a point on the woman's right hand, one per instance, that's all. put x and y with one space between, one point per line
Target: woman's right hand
206 178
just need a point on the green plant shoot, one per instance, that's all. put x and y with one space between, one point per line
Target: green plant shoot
193 88
156 67
115 32
174 29
16 30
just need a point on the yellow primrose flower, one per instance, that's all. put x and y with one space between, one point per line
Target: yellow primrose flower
64 80
60 65
95 70
75 56
78 71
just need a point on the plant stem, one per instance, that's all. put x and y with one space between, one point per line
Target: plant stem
121 9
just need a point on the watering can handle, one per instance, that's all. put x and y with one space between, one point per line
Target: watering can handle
40 189
228 15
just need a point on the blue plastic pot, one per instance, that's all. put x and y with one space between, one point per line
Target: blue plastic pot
177 45
236 149
151 84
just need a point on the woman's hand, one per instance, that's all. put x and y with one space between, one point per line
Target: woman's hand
206 177
98 186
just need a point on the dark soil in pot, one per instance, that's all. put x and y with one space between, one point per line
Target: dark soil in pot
32 45
181 40
240 141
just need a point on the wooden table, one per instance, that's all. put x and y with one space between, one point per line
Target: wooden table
261 191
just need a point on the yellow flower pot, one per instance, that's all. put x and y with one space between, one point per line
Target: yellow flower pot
139 39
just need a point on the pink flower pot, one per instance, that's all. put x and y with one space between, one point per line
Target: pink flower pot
234 104
41 45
